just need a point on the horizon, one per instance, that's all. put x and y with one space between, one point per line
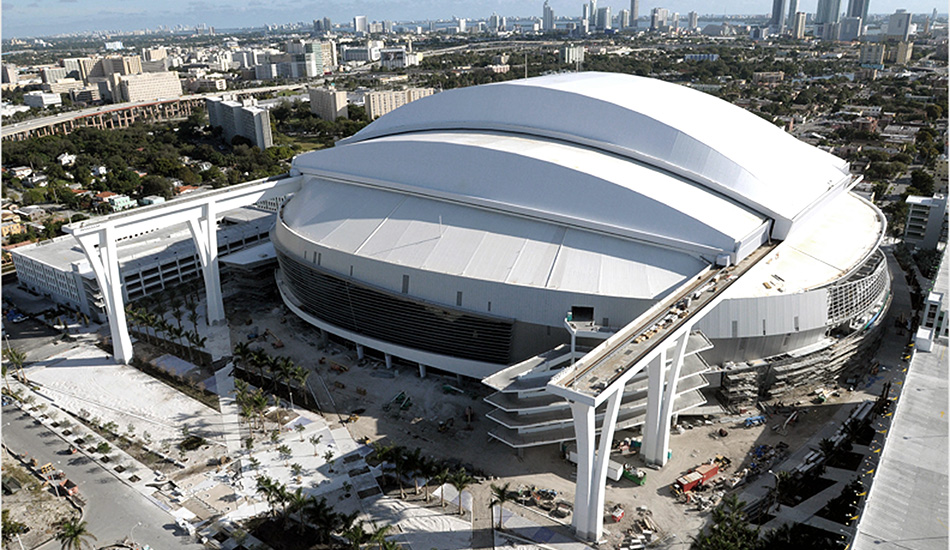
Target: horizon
49 18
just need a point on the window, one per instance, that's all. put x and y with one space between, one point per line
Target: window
458 298
405 284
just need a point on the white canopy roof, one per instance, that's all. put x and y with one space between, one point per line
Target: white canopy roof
480 244
549 180
701 137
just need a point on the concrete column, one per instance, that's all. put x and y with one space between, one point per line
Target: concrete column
677 350
204 232
654 404
599 484
101 252
422 370
359 352
389 361
584 430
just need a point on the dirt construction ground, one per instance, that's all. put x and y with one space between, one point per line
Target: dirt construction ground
366 387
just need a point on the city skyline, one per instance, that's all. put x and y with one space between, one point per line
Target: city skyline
36 18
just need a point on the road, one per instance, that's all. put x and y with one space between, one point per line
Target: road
113 509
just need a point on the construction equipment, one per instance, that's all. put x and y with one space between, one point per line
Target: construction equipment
636 475
278 343
754 421
400 397
617 513
406 404
338 367
446 424
69 487
696 478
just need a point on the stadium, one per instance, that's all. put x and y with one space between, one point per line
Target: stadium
472 231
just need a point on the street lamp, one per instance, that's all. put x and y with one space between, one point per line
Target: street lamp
131 532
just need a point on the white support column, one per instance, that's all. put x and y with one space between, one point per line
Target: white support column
389 361
204 232
599 484
584 431
422 370
654 406
360 352
101 252
660 399
669 397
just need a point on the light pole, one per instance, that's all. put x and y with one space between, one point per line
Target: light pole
131 532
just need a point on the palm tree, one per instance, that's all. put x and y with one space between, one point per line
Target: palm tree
197 342
74 535
460 480
297 504
500 497
356 535
300 375
414 460
428 469
321 516
176 310
242 352
315 440
6 369
260 359
398 458
192 307
784 487
442 477
379 534
16 358
284 369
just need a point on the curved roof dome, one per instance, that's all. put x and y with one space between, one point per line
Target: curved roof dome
700 137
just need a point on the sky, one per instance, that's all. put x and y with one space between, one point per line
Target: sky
25 18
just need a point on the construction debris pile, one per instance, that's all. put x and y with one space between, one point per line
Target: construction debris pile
643 533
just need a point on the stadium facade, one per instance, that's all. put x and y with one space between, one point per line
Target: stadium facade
460 231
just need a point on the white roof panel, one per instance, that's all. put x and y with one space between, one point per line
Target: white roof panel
481 244
670 126
546 179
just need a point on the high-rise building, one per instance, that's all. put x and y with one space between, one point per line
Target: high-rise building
380 103
872 53
322 25
10 73
603 18
858 8
926 223
571 54
693 20
904 53
50 75
494 23
634 12
779 11
547 21
658 18
850 29
623 21
244 119
798 28
898 25
359 24
328 104
146 87
829 11
792 10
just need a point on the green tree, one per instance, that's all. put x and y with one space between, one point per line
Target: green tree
500 497
730 530
460 480
74 535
